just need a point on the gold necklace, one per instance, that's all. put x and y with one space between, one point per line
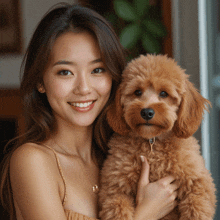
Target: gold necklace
95 188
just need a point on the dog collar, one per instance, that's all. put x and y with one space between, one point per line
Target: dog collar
151 142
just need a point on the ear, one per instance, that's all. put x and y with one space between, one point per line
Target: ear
115 116
40 88
190 112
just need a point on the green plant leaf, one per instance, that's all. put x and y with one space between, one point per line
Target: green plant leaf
125 10
150 44
141 7
111 17
130 35
114 20
156 28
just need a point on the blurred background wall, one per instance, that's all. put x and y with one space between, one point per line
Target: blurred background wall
31 11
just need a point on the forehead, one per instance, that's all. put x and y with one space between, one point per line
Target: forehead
75 45
155 71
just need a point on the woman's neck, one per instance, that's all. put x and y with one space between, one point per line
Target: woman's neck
75 141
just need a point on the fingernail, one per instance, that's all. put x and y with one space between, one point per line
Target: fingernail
142 158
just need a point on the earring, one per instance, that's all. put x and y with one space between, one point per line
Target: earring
40 89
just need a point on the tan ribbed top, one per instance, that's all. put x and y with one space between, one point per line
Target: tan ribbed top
71 215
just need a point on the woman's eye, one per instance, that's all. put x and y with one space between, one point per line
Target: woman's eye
98 70
163 94
65 73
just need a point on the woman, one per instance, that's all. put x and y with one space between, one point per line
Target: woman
72 68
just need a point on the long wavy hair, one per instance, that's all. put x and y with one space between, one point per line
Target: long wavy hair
40 121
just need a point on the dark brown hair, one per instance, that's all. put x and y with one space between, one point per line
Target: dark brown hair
38 115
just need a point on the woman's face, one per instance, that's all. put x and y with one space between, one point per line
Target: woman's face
76 81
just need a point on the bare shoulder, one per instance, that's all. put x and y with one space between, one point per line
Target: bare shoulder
26 162
33 178
30 155
30 149
28 159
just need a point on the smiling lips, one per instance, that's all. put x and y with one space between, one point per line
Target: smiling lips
82 106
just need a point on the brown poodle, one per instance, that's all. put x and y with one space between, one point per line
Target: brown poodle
155 113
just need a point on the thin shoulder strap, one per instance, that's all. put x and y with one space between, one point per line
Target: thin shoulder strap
60 170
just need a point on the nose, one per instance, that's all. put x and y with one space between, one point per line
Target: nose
147 113
83 86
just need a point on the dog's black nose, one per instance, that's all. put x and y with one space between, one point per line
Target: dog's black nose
147 113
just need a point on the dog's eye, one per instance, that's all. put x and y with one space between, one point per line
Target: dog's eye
138 92
163 94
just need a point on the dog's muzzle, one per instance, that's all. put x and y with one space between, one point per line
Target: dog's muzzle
147 113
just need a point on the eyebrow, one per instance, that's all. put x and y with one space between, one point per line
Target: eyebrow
65 62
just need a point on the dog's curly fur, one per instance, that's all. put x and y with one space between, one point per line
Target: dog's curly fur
159 84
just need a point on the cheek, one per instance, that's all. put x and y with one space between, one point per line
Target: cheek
104 86
54 88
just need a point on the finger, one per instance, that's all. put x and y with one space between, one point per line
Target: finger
174 195
167 180
172 206
175 186
144 177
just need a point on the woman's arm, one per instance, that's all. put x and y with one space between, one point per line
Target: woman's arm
154 200
34 184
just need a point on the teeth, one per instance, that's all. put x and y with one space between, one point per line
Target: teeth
81 105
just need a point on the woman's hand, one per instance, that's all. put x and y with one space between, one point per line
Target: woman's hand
157 199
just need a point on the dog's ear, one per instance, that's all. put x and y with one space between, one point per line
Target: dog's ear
115 116
190 112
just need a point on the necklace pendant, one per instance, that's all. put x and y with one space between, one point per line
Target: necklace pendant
95 189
